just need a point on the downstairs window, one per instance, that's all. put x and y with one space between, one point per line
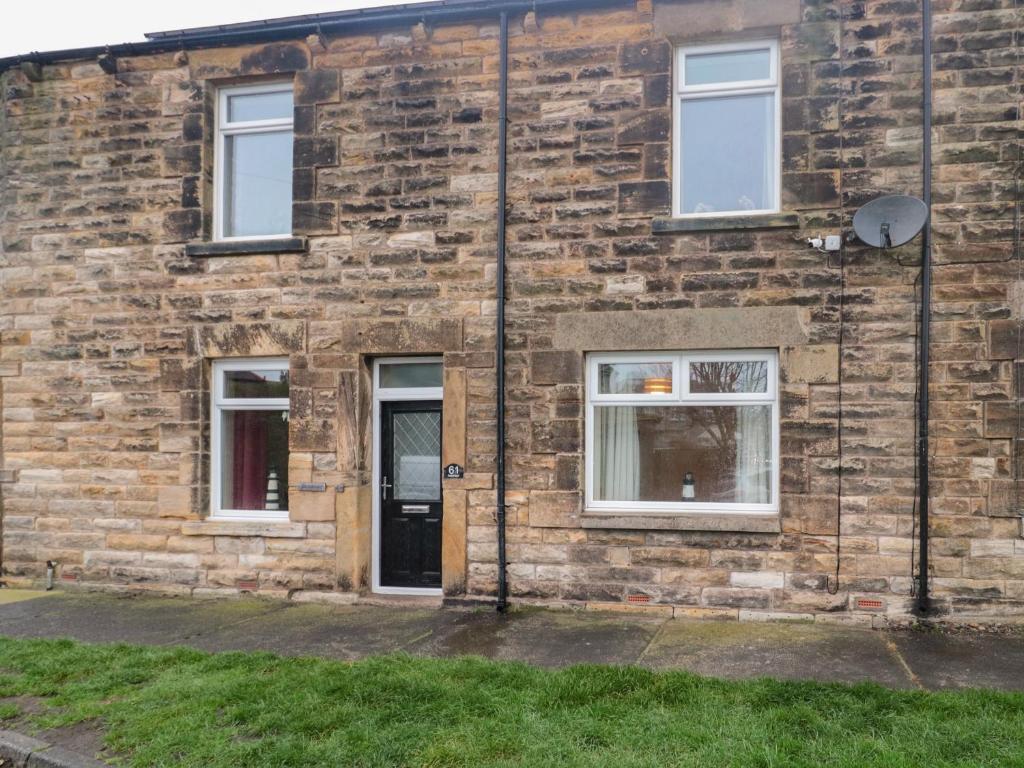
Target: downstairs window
682 432
249 439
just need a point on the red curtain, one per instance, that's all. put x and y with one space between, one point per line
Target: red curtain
249 475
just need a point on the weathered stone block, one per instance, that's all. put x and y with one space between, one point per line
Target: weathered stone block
652 198
1004 342
555 509
810 364
317 86
453 543
251 339
555 367
311 506
649 57
647 127
453 431
274 58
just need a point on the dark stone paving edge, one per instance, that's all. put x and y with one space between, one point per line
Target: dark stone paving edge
20 751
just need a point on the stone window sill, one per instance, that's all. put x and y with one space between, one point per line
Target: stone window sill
668 226
726 523
268 528
254 247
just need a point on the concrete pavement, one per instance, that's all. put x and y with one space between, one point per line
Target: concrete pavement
550 638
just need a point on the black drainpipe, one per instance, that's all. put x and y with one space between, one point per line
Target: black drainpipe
923 604
500 321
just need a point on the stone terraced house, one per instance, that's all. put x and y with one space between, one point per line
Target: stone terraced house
253 278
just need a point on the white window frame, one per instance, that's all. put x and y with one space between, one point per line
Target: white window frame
218 404
683 92
225 129
682 396
382 395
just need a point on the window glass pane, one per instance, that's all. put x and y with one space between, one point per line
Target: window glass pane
260 106
634 378
730 67
254 460
644 453
410 375
417 456
258 184
728 154
729 376
271 382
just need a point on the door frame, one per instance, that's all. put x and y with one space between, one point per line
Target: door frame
381 395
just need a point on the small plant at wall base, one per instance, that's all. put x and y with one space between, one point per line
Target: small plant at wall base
180 707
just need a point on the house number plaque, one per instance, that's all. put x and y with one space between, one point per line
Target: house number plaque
454 471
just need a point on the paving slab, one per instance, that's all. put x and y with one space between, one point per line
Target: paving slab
336 632
796 651
545 638
942 660
112 619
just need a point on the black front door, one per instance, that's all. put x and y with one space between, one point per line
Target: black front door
410 494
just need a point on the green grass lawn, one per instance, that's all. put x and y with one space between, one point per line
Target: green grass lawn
180 707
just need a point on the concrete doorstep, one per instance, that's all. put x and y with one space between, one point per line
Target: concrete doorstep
20 751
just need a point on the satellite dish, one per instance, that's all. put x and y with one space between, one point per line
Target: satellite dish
889 221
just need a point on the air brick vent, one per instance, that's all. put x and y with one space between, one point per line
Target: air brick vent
869 604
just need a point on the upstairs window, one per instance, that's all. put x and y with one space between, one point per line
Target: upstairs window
682 432
253 162
727 106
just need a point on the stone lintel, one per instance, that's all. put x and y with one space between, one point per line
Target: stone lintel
712 328
281 337
375 336
688 19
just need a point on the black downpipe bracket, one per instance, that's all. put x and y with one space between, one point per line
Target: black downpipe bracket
500 309
922 606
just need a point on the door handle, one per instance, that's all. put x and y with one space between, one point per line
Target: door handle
384 485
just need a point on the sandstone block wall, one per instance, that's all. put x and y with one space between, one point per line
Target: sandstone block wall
107 327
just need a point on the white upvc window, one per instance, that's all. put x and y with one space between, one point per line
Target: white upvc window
727 129
249 439
683 432
253 162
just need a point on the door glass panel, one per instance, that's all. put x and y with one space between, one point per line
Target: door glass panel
410 375
417 455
